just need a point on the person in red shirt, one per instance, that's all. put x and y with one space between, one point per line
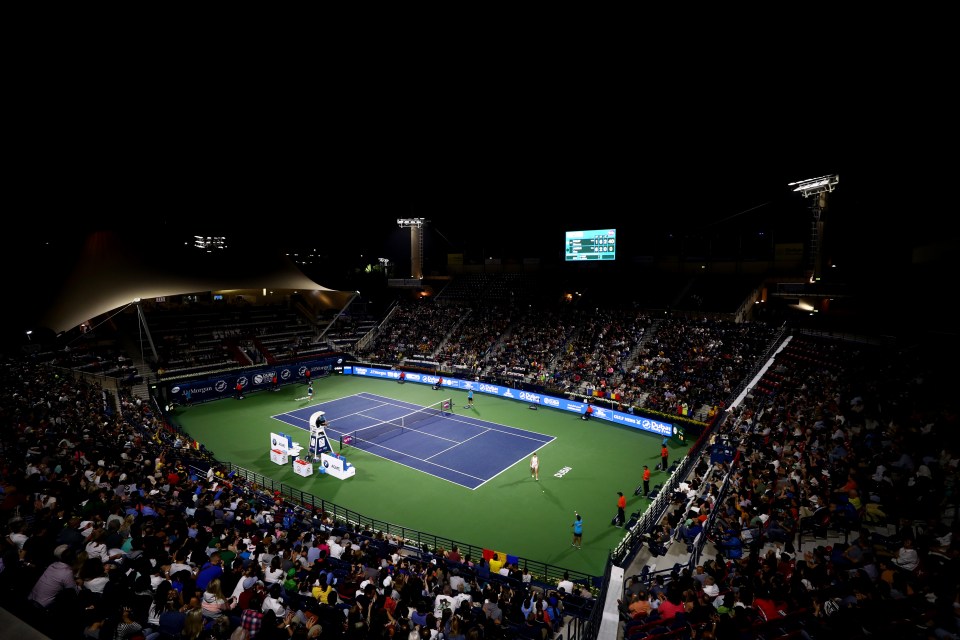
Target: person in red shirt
646 480
664 453
671 603
621 506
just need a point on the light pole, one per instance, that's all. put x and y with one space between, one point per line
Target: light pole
416 244
819 187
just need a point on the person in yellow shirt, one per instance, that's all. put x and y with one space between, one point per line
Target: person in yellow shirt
321 591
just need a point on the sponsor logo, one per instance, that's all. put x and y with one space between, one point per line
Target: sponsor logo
220 386
326 463
361 371
175 390
571 406
414 377
563 472
507 394
488 388
551 402
302 371
258 379
242 381
526 396
285 374
339 360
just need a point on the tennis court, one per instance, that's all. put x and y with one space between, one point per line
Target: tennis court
435 440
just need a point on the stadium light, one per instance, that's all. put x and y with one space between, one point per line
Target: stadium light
815 186
209 243
820 187
416 244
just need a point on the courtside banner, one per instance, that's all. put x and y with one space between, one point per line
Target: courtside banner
599 413
224 384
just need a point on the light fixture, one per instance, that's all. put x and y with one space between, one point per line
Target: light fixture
209 243
814 186
411 222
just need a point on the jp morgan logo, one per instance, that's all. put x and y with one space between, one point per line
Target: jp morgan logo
220 386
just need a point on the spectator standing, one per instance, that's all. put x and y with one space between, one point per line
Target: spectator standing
646 480
621 508
664 454
565 583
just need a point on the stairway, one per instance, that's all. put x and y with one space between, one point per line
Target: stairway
128 344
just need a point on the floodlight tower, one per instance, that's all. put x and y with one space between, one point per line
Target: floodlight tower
416 244
818 187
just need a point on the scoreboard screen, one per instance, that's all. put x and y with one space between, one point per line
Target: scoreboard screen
599 244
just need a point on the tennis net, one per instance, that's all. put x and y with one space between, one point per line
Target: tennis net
390 428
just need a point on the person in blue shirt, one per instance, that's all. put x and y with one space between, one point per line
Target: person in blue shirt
470 398
577 531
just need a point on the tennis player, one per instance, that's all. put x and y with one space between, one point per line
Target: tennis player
310 391
470 397
535 466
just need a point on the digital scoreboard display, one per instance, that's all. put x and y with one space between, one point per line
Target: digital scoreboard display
599 244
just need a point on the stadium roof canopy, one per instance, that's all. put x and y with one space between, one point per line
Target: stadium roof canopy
110 271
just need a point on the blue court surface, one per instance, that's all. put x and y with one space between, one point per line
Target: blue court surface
461 449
